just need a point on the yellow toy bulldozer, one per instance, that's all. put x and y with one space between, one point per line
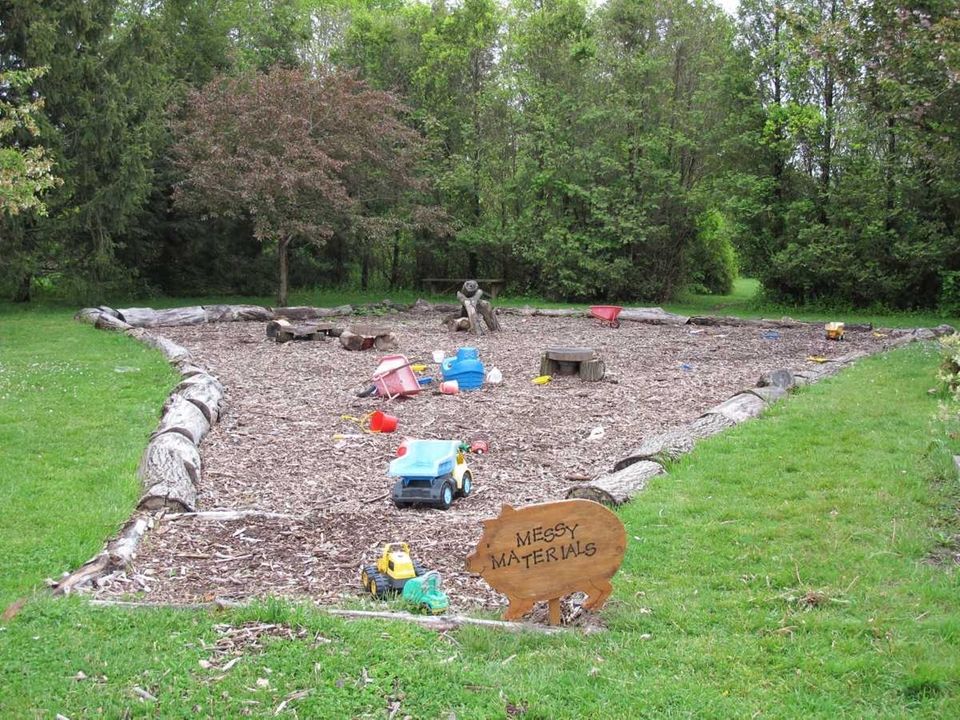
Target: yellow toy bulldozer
394 567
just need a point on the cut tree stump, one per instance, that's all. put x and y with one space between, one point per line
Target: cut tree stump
169 471
584 361
364 337
618 487
661 448
183 417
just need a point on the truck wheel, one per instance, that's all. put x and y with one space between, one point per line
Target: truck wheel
368 572
378 586
446 495
418 569
466 483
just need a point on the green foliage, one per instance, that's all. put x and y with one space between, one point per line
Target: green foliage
24 173
712 259
949 372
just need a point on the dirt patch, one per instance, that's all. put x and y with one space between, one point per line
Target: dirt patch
275 448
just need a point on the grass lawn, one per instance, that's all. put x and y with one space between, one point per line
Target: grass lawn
76 408
779 571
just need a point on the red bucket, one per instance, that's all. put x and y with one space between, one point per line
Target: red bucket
380 422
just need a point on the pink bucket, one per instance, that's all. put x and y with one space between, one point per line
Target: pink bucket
449 387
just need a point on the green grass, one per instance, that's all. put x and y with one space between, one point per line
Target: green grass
745 301
777 572
76 407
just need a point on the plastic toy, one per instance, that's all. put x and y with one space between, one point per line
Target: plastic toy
606 314
466 368
425 591
393 377
432 472
541 379
834 330
393 569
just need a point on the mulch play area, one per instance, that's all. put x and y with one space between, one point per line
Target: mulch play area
284 446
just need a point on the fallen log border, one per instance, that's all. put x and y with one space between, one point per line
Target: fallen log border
208 399
631 474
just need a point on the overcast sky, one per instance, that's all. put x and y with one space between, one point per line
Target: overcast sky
729 5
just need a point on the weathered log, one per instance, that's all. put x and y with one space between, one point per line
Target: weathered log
364 337
471 311
306 331
109 322
769 394
275 326
311 313
421 306
386 342
707 425
231 515
660 448
169 471
148 317
351 341
204 391
88 315
252 313
173 352
740 407
188 370
784 322
944 329
118 553
592 370
781 377
652 316
183 417
618 487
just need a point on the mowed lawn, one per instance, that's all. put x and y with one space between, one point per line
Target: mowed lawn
76 408
780 571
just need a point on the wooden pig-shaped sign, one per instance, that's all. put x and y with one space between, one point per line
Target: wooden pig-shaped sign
543 552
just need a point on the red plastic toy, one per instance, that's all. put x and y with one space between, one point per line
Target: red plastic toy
606 314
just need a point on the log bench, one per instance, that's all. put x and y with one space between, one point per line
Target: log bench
447 286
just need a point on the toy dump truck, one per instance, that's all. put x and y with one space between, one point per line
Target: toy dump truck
431 472
393 569
425 592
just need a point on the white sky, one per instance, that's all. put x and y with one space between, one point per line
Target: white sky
729 5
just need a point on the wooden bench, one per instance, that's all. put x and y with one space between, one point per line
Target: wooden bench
445 286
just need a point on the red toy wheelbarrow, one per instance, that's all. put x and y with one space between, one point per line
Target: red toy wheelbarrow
606 314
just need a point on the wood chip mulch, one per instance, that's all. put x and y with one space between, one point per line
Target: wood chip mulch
283 445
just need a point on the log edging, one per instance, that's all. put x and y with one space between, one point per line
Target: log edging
655 453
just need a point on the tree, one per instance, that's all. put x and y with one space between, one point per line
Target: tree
25 173
295 154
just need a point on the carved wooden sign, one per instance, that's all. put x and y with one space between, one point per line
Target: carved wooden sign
543 552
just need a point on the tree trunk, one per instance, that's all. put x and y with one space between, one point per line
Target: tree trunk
395 262
22 293
282 251
365 271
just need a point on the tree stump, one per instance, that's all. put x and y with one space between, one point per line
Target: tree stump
583 361
364 337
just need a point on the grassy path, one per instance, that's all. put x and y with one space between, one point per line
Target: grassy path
777 572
